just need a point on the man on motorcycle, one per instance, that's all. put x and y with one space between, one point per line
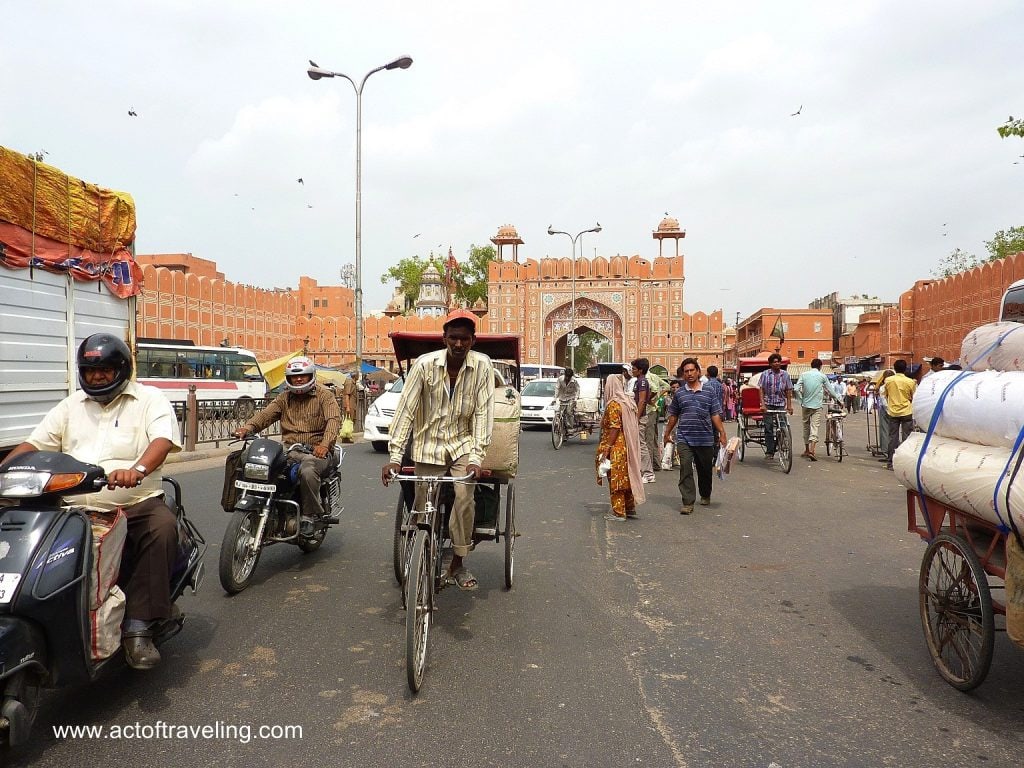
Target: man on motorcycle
309 414
129 430
446 407
567 392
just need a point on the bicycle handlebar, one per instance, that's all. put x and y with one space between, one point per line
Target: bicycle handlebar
431 478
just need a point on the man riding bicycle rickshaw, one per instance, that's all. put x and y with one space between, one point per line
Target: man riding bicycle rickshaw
567 392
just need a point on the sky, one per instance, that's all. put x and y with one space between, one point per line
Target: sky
536 114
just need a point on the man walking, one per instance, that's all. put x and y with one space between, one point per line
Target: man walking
694 416
812 390
899 393
642 396
776 396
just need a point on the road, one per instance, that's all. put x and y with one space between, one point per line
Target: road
777 627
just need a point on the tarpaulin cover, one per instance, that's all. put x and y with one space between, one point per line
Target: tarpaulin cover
985 408
45 200
994 347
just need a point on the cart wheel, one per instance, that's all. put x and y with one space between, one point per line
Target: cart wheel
839 451
557 432
510 534
839 440
420 588
828 441
784 440
956 611
400 539
742 435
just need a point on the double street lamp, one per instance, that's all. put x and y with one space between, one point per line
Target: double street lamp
316 72
572 310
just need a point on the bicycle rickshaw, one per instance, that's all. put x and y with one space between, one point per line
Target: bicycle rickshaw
954 593
421 536
753 420
588 415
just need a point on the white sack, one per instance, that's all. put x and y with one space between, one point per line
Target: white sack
962 475
985 408
976 353
503 453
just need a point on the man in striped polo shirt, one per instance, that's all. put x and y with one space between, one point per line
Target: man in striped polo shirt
446 408
777 395
695 413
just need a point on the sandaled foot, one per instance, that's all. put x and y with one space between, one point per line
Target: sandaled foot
615 518
464 579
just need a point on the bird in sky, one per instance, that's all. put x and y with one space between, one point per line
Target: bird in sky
236 194
798 111
313 64
309 206
416 235
301 181
132 113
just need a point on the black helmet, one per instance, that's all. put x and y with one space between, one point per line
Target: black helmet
104 350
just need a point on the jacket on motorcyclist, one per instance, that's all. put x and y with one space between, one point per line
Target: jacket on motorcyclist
128 429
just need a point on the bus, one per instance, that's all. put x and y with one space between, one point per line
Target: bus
1012 306
219 373
530 372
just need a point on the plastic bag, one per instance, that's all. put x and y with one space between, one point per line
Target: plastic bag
347 429
668 454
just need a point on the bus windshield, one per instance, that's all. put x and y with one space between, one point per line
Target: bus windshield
1013 303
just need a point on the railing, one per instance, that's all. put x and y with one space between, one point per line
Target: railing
215 421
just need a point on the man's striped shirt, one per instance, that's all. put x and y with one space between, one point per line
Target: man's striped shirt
310 419
444 426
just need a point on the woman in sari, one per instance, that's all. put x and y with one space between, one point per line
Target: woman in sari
620 443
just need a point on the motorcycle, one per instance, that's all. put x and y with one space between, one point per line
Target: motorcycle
268 508
46 561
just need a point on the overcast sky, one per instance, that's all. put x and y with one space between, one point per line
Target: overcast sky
534 114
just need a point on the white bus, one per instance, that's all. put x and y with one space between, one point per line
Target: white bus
219 373
1012 306
529 372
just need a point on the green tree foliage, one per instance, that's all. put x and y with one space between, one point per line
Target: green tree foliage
471 280
593 348
408 273
956 262
1005 242
1012 128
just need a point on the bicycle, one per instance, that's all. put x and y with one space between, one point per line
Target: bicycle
783 438
423 570
560 426
834 433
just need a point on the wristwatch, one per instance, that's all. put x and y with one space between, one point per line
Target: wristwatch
141 468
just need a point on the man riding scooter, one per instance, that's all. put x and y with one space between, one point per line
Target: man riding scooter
129 430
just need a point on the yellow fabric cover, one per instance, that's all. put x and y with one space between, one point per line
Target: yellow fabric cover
44 199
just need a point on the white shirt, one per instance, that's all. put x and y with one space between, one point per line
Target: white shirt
114 436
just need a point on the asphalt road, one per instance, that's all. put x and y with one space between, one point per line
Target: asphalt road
777 627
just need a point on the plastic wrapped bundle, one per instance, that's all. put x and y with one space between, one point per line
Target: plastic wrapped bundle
994 347
963 475
986 408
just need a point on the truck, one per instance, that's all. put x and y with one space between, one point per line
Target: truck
66 271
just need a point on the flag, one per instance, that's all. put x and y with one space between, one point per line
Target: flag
778 330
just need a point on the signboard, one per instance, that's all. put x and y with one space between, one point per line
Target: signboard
572 340
825 356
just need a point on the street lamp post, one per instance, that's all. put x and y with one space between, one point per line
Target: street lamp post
572 307
316 72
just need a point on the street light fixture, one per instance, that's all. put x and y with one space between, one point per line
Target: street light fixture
317 72
572 310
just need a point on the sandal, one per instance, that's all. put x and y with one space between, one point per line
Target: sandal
464 579
616 518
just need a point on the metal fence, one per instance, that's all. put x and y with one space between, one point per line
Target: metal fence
212 422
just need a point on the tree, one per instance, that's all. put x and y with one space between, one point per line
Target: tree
1012 128
1005 242
408 273
956 262
471 281
593 348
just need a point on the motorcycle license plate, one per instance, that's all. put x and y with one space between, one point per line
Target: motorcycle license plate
8 586
247 486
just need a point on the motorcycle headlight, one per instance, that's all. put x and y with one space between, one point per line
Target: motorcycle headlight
374 410
256 471
15 485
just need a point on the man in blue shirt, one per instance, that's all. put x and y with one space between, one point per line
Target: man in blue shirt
812 389
776 396
694 416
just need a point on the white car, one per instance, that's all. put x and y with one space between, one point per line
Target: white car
377 424
538 403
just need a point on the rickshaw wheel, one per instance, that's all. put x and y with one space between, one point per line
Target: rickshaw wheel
399 543
510 534
557 431
741 433
785 448
956 611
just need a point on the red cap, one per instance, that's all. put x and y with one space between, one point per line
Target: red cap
460 314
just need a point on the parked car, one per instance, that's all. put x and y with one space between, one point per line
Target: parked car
377 424
538 403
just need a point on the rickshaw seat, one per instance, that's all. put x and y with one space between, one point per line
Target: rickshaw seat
750 401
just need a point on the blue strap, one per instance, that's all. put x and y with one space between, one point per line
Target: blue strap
993 346
924 446
995 494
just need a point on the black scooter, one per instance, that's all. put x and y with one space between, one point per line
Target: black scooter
45 565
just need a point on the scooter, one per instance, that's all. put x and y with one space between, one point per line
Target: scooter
46 553
262 495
